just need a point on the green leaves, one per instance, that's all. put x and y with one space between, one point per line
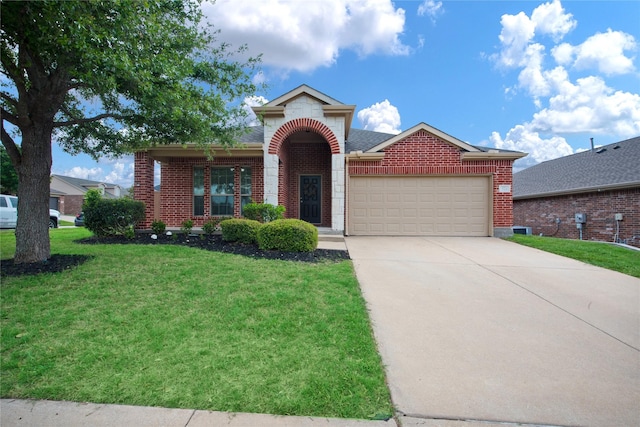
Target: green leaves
123 75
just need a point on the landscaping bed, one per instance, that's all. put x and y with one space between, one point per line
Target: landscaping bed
58 263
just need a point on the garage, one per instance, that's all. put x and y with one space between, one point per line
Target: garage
419 205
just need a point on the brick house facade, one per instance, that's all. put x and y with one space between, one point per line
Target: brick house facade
307 158
600 183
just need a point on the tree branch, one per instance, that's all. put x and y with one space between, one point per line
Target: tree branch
87 120
12 148
11 118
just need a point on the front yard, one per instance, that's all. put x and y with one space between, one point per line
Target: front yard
180 327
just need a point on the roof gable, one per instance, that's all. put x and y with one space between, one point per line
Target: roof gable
423 126
608 167
300 91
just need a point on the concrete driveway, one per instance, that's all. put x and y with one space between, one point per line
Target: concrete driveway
473 330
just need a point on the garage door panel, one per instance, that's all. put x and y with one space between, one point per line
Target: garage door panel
393 205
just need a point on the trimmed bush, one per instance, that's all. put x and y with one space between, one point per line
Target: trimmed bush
240 230
158 226
210 226
263 212
289 235
186 226
112 217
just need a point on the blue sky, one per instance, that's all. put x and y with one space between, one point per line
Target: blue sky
538 77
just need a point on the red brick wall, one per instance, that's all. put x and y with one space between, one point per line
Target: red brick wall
429 155
70 204
600 207
143 185
177 186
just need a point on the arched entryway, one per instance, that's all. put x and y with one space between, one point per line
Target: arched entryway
304 171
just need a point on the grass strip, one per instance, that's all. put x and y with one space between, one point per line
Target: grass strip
612 257
180 327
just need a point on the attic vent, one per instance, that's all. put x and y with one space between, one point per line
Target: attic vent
616 147
601 150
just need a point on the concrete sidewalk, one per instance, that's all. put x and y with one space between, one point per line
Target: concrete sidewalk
43 413
475 330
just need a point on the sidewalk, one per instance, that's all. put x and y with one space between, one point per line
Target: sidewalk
14 412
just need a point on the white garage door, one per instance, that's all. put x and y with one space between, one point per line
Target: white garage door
419 206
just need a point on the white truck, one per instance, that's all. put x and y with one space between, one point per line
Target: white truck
9 213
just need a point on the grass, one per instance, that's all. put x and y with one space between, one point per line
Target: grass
604 255
180 327
66 223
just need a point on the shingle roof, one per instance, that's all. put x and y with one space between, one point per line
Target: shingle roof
359 139
607 167
79 182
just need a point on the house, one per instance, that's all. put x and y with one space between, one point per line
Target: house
67 193
602 184
307 158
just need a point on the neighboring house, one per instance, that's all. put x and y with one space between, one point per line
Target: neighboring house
603 184
67 193
307 158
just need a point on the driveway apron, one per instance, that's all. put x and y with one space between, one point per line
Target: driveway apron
481 329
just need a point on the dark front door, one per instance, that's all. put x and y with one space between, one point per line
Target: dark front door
310 200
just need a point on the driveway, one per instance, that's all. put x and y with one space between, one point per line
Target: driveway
481 329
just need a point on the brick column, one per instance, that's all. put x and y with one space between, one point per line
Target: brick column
143 186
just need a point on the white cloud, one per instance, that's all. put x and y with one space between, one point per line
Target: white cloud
431 8
93 174
551 19
565 106
522 138
604 52
253 101
380 117
591 106
303 36
122 173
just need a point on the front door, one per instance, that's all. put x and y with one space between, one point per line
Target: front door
310 200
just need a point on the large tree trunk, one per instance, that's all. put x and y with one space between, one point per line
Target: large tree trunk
32 230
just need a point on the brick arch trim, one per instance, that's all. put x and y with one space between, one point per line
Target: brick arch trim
306 124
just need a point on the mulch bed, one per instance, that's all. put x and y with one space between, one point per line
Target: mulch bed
58 263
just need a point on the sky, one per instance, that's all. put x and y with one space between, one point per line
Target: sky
537 77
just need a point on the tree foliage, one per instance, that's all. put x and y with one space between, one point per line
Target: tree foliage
107 77
8 176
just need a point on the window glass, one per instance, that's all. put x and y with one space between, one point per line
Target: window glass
3 202
222 191
245 187
198 191
14 201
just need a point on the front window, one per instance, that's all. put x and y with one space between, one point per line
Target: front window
245 187
222 191
198 191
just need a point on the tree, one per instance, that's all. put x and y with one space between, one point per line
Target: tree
8 176
107 77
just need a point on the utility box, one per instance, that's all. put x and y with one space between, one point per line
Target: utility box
581 218
618 217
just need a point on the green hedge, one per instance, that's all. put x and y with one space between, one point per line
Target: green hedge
263 212
290 235
112 217
240 230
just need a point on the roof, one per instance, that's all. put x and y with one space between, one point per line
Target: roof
79 182
612 166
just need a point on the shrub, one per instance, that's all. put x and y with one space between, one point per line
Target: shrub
240 230
158 226
263 212
210 226
290 235
186 226
111 217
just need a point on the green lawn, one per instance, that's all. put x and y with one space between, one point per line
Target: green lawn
613 257
184 328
